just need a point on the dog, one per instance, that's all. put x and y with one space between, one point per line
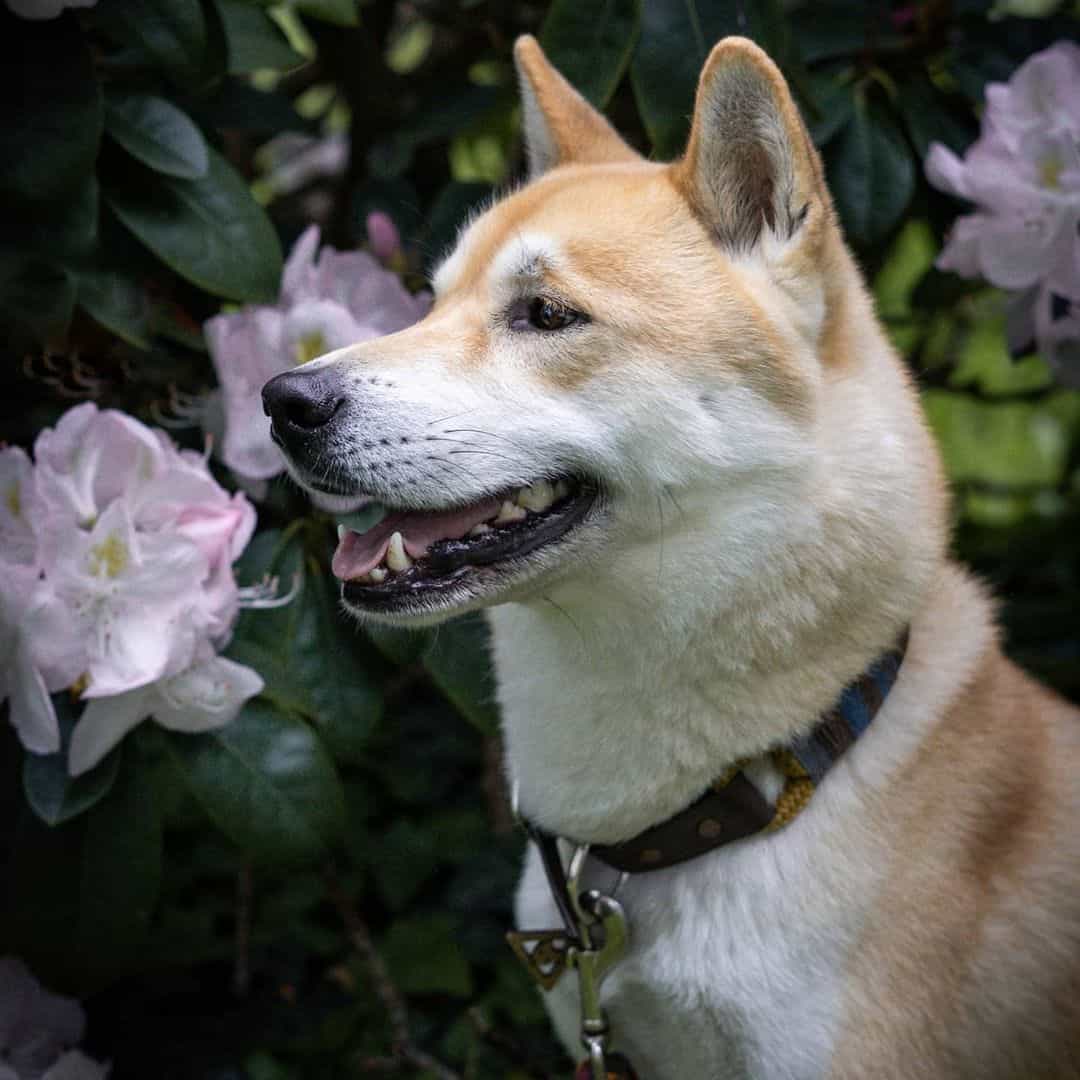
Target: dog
652 425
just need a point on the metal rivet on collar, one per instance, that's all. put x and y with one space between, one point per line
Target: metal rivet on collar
650 855
709 828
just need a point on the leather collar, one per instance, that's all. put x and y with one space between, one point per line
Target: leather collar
732 808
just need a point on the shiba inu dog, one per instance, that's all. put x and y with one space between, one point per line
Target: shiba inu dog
652 424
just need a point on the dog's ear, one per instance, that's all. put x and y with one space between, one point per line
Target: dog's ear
750 169
561 127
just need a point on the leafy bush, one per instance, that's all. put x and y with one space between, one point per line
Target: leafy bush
317 882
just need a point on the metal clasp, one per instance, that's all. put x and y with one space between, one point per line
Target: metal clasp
602 939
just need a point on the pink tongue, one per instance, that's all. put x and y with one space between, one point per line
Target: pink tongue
360 552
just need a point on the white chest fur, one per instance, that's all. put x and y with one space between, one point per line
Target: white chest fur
737 960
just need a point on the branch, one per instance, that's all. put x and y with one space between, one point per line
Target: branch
403 1049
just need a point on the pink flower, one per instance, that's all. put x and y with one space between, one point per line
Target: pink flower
118 575
336 299
383 237
1023 175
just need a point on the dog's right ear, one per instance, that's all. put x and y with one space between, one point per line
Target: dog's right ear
750 170
560 126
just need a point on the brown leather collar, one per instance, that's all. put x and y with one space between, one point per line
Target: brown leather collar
732 808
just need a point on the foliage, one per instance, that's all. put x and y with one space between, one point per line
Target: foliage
261 900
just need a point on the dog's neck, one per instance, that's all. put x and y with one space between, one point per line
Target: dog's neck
627 690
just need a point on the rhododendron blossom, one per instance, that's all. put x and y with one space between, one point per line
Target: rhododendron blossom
327 302
116 578
1023 175
39 1030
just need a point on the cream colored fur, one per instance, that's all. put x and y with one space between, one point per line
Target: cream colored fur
774 515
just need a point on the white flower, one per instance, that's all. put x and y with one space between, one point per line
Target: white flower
338 299
45 9
1023 175
207 695
38 1029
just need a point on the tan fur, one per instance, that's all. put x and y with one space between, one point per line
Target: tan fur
726 271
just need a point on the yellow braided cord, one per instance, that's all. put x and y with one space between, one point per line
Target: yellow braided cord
797 792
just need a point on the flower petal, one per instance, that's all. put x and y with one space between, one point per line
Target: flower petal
206 696
32 713
104 722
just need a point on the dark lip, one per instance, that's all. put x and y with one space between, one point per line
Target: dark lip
451 564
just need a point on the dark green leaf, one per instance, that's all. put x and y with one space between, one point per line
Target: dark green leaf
833 99
590 42
255 41
240 106
63 231
36 301
166 34
50 110
871 174
307 651
157 133
118 302
675 40
825 31
930 117
54 795
80 896
459 662
267 783
338 12
209 230
424 958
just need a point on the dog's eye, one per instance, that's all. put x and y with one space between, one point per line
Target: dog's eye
540 313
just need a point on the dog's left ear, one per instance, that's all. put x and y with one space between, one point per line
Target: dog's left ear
561 127
750 169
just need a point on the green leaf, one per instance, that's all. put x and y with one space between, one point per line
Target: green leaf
50 110
833 100
1014 444
157 133
167 34
674 42
52 794
80 896
871 173
266 783
424 958
459 662
65 231
36 301
338 12
208 230
307 650
590 42
255 41
118 302
930 117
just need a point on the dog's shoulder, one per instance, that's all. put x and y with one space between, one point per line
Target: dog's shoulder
970 958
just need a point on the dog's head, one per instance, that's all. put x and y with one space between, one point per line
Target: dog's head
616 337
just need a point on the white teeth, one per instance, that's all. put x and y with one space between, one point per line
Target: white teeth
396 558
341 531
377 576
538 496
509 513
562 489
480 530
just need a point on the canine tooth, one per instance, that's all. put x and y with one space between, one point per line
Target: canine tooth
538 496
341 531
396 558
480 530
562 489
509 513
376 576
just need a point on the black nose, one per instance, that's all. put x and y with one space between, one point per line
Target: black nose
301 402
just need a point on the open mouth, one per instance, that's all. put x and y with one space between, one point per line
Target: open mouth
425 555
